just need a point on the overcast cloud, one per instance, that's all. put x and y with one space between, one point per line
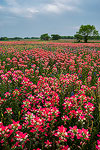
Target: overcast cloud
35 17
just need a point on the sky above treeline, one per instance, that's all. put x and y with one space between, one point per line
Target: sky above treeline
28 18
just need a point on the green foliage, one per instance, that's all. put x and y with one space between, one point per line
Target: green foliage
45 37
78 37
3 39
67 37
31 38
55 37
26 38
34 37
85 32
16 38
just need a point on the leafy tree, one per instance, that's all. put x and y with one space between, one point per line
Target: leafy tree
78 37
86 31
45 37
55 37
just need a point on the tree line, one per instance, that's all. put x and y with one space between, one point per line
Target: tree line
16 38
42 37
54 37
85 33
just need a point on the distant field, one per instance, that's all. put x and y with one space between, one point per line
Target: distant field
59 41
69 41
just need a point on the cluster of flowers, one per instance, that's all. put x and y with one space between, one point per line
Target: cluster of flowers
48 98
98 142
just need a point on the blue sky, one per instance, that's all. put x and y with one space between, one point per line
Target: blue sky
34 17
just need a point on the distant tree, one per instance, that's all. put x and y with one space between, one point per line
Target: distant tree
26 38
3 39
34 37
86 31
67 37
18 38
45 37
55 37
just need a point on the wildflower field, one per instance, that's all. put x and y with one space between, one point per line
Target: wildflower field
49 96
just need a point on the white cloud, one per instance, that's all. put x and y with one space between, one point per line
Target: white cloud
23 12
51 8
16 8
1 7
58 6
13 7
11 2
32 10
